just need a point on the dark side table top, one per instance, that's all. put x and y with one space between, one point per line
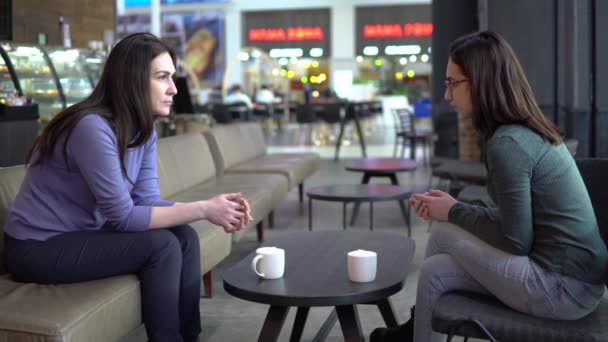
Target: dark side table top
359 192
464 170
316 272
389 165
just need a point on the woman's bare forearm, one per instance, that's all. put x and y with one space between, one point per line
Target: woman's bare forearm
180 213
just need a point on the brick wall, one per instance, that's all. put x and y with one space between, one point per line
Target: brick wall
468 139
87 18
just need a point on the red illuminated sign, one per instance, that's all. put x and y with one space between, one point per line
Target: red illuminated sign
292 33
396 30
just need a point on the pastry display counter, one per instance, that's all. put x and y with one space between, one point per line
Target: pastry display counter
36 77
54 77
70 68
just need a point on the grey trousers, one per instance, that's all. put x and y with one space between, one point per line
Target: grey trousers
458 260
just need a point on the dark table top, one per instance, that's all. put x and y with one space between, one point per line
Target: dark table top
359 192
388 165
316 272
465 170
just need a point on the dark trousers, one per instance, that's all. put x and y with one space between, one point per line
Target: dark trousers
167 262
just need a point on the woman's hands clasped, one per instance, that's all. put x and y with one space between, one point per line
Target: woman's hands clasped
229 211
432 205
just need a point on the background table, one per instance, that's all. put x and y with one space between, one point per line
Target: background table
381 167
358 193
316 276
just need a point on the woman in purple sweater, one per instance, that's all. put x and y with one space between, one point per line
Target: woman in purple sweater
89 206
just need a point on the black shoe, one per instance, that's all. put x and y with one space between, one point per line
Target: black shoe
401 333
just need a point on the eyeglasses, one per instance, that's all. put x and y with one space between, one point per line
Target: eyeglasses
450 84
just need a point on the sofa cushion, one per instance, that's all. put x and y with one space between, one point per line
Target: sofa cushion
10 182
95 311
183 161
235 144
295 166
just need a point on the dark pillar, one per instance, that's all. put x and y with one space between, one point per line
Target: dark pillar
451 19
601 76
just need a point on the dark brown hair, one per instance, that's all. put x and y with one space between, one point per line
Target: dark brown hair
500 92
122 97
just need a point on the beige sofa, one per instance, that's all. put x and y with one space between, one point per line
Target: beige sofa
240 149
187 173
108 310
95 311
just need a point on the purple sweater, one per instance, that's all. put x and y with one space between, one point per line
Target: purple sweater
91 191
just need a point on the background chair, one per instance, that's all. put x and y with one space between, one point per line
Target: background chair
474 315
407 135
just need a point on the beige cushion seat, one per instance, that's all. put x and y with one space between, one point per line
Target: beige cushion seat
95 311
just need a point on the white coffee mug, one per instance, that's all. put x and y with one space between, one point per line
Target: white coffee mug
362 265
269 263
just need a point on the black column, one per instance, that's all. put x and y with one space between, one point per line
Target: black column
601 76
451 19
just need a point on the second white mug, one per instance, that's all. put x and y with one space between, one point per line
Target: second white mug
269 263
361 266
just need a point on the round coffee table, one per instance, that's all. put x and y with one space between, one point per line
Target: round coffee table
381 167
316 276
357 193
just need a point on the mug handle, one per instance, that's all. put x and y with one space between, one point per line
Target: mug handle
254 264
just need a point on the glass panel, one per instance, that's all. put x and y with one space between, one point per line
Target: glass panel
35 78
93 63
6 82
72 74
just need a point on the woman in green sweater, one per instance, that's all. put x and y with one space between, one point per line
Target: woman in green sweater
539 251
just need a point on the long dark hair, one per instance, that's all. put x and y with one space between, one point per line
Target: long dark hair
500 92
122 97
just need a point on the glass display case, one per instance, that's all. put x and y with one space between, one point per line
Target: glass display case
70 68
36 77
93 63
6 81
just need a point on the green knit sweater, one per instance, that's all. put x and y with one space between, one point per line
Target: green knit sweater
542 209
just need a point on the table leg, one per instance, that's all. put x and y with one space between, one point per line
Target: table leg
366 177
349 322
326 327
339 140
310 214
298 324
393 178
273 323
406 215
404 212
371 215
388 312
361 136
344 215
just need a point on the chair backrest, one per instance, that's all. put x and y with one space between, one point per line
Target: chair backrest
404 120
10 182
220 112
594 173
329 112
305 113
